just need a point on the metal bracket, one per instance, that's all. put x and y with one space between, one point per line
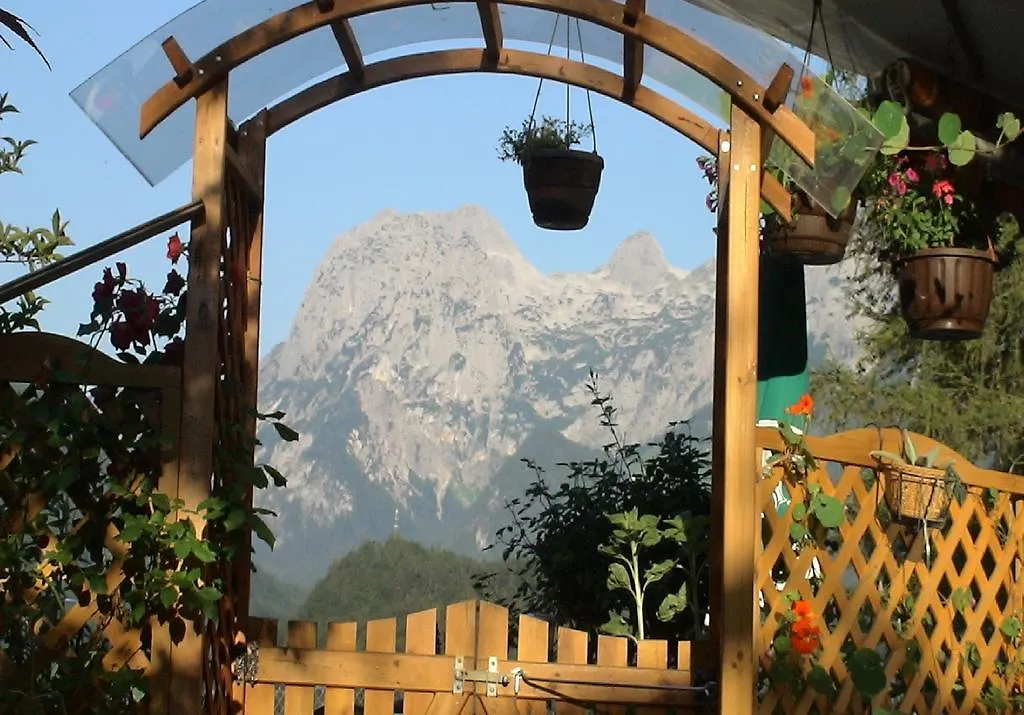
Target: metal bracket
490 676
247 665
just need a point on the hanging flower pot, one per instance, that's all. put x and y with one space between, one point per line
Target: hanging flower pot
945 293
561 182
813 237
917 493
561 185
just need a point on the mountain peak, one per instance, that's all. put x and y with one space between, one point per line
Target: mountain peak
636 261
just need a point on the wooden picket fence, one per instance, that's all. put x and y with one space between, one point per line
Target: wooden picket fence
470 669
930 600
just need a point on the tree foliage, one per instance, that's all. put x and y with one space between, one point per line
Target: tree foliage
968 395
556 531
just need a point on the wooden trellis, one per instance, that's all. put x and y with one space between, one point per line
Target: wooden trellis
448 675
931 601
155 390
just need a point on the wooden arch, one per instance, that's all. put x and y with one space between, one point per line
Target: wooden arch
228 181
519 62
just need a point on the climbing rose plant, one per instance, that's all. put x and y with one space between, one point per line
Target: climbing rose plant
84 521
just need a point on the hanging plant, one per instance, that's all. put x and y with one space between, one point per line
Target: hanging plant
942 243
561 181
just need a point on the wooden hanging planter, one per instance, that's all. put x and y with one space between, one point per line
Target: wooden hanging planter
917 493
945 293
561 185
813 238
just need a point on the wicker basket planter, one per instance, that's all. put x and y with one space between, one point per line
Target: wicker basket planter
917 493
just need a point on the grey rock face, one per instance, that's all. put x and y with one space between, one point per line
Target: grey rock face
427 350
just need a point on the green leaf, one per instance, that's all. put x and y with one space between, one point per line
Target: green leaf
673 604
278 478
209 593
1009 125
203 552
618 578
949 128
828 510
819 679
799 512
797 531
285 432
889 119
616 626
867 672
168 596
262 531
782 645
658 571
1011 627
235 519
962 599
963 149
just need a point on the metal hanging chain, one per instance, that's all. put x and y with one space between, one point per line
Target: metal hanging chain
568 44
817 18
540 85
590 106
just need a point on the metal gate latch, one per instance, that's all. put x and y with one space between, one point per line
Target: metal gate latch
490 676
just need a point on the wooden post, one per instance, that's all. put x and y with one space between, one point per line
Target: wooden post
202 357
734 448
252 148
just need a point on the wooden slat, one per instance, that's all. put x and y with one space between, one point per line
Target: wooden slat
614 652
571 648
652 654
534 646
380 638
420 639
492 641
345 38
632 51
298 699
182 65
459 639
341 638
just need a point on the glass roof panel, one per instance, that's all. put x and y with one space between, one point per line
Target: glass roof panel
113 97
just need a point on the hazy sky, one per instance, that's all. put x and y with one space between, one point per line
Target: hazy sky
423 145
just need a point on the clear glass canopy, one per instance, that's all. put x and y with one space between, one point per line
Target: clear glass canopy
113 97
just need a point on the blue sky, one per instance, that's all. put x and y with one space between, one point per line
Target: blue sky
424 145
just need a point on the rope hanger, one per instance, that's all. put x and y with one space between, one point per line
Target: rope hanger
568 87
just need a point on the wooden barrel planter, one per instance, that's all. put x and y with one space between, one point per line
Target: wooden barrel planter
917 493
945 293
561 185
813 238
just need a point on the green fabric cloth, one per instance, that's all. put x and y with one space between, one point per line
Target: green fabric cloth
782 370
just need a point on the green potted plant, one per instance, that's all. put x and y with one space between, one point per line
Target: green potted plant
943 244
917 487
561 182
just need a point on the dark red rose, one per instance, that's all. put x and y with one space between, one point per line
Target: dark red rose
174 248
174 284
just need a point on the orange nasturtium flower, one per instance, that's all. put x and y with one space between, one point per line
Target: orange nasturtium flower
806 87
804 636
802 609
805 406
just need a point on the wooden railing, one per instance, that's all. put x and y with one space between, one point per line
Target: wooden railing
475 644
937 601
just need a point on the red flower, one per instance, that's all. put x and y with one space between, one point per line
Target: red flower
104 290
806 87
804 636
121 335
802 609
935 162
174 283
943 189
804 406
174 248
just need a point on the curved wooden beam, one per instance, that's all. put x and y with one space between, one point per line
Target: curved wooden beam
311 16
518 62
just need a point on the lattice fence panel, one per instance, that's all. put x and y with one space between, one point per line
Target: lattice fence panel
930 599
107 392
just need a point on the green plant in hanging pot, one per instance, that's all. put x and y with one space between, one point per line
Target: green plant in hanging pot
561 181
943 245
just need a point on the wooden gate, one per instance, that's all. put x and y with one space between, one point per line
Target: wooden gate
344 668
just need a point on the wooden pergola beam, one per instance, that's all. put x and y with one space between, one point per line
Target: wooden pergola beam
346 40
632 50
490 24
183 68
744 90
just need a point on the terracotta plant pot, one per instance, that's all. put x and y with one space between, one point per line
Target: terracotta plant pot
813 238
945 293
917 493
561 185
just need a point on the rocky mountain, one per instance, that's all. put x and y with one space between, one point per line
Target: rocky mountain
428 355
